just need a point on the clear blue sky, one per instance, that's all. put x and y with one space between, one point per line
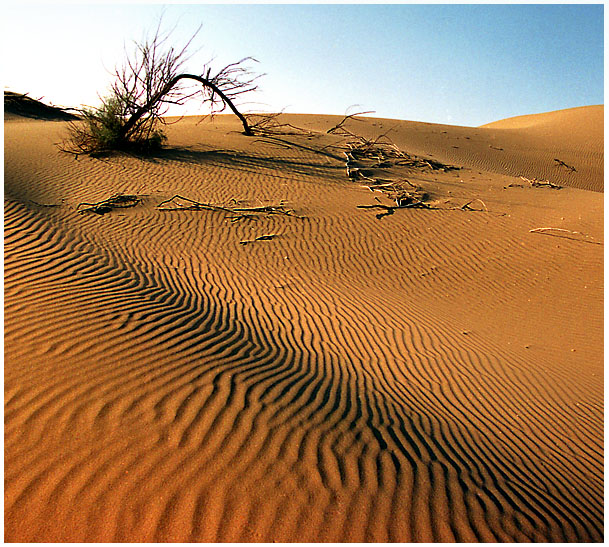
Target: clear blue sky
455 64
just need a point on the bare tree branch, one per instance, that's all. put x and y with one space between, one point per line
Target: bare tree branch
151 79
339 125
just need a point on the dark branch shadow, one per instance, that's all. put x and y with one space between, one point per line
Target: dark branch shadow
244 161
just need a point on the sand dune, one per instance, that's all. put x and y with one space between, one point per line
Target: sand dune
526 145
19 106
430 375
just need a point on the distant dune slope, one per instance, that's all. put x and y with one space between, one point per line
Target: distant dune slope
19 105
524 146
435 374
574 136
580 122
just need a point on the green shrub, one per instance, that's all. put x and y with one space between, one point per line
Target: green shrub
102 130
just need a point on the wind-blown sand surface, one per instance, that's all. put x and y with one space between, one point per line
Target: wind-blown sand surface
432 375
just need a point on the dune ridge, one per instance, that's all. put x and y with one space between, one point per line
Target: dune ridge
351 379
582 119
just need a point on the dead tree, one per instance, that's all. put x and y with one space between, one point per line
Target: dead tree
212 84
151 79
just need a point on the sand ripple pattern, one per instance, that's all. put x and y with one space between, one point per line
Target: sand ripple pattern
164 382
183 397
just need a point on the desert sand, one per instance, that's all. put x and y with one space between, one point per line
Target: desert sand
310 372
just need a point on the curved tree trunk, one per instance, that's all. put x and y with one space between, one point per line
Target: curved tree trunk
168 87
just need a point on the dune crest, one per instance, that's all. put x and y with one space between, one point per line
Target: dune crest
582 119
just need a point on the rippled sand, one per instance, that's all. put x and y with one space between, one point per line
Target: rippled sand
431 375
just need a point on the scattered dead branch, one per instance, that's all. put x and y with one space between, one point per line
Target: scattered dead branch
381 152
391 186
563 164
44 204
259 238
268 124
466 206
364 155
432 164
340 125
262 123
379 148
536 183
268 209
412 200
118 201
403 202
547 231
190 205
181 203
419 200
389 210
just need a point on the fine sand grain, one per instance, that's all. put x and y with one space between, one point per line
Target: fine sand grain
435 374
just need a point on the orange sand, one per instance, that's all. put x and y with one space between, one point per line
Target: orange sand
433 375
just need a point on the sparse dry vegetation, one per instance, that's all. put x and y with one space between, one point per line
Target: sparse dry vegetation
152 78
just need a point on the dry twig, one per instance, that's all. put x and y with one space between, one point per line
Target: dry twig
401 203
268 124
466 206
44 204
340 125
118 201
563 164
544 231
175 203
259 238
536 183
